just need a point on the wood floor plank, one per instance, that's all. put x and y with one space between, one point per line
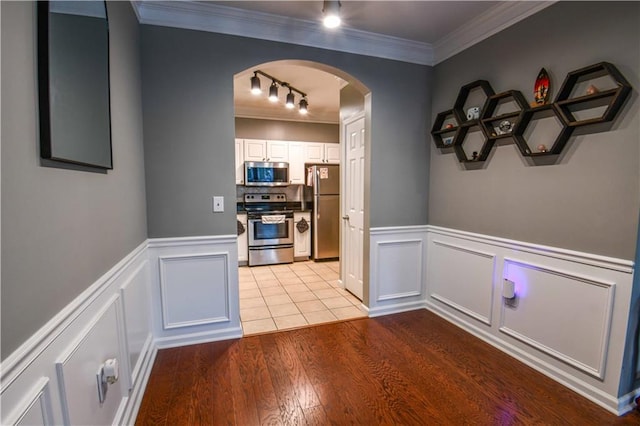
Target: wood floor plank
154 407
283 380
413 368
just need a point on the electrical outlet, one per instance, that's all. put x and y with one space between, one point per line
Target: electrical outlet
218 204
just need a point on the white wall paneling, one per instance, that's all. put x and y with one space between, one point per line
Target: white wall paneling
398 269
79 364
572 326
194 289
36 407
468 289
93 326
136 301
568 319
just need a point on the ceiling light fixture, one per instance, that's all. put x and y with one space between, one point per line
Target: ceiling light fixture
273 91
291 100
255 84
303 106
331 12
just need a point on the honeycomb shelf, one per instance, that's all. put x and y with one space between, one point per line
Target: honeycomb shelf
532 115
494 125
571 99
579 103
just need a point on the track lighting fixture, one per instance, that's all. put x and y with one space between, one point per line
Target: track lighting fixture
255 84
291 100
331 12
303 106
273 92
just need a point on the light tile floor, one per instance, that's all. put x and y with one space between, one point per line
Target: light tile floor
278 297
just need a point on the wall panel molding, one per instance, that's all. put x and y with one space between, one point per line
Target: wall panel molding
77 367
35 409
454 267
57 342
189 285
569 317
589 314
397 269
194 289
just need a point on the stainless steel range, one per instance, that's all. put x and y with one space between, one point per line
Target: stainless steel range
270 229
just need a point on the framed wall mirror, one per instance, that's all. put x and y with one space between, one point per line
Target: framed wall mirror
73 79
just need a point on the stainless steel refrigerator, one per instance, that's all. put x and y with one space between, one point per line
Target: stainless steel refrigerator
325 227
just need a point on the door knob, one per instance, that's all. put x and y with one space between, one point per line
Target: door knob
345 217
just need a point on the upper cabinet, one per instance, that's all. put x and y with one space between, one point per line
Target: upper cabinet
294 153
322 153
261 150
296 163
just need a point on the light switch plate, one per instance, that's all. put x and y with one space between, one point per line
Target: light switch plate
218 204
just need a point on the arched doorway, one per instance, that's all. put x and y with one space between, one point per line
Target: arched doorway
336 101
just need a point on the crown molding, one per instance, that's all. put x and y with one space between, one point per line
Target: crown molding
232 21
192 15
494 20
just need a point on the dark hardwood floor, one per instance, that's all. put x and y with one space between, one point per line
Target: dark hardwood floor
412 368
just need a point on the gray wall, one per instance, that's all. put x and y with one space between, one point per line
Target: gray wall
63 229
351 101
250 128
189 127
590 201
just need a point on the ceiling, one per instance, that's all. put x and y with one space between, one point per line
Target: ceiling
423 21
424 32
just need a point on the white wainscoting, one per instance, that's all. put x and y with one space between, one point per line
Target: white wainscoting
51 378
397 269
77 369
569 317
468 289
194 289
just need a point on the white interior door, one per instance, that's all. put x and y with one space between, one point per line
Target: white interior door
353 216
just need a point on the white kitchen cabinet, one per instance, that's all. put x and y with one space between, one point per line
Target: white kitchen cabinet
296 163
255 150
332 153
239 162
243 241
277 151
322 153
301 240
261 150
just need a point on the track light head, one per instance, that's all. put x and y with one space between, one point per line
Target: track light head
291 100
331 12
304 106
255 84
273 91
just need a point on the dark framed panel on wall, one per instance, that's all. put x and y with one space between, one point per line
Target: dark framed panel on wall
73 84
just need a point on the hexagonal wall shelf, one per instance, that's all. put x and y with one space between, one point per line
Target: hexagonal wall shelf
535 145
509 106
463 95
445 129
570 103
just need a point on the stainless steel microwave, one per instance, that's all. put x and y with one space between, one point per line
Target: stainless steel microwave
262 173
